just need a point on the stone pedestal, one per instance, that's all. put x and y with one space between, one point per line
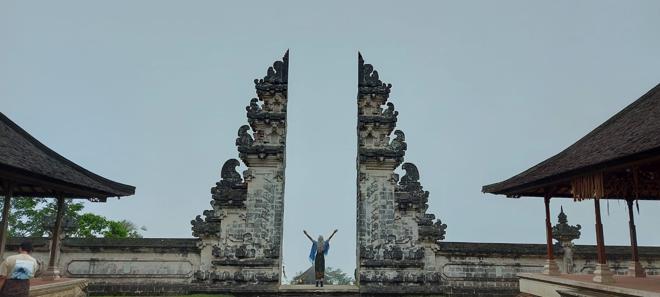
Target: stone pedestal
635 269
550 267
52 273
602 274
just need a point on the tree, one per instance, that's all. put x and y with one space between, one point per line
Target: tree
334 276
34 217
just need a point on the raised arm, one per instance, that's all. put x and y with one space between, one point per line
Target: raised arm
333 234
310 238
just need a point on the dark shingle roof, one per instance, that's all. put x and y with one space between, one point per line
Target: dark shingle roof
39 171
631 134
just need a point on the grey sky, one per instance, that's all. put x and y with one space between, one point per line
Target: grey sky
151 93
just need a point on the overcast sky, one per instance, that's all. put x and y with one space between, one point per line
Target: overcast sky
151 93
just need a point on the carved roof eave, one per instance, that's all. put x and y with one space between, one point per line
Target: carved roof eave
565 232
377 119
207 227
236 186
381 152
260 153
230 204
267 89
261 149
369 82
229 196
266 116
382 91
276 79
432 233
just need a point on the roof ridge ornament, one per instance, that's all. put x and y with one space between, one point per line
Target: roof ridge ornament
229 173
369 82
412 174
277 77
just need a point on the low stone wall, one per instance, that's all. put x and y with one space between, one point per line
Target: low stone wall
154 266
144 266
489 269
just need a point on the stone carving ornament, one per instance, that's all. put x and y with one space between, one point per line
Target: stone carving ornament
368 81
207 227
228 172
389 112
244 138
563 232
398 144
254 106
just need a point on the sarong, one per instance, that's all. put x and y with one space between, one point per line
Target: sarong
15 288
319 265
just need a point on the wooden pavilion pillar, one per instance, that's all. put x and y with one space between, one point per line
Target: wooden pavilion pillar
9 191
53 271
602 274
550 267
635 269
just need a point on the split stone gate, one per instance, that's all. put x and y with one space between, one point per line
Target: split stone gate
240 237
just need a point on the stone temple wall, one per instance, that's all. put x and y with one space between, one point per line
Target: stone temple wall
143 266
153 266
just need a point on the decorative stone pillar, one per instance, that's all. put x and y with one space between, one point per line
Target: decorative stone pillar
241 236
396 237
565 234
69 225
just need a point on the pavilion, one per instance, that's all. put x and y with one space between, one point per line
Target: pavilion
620 159
28 168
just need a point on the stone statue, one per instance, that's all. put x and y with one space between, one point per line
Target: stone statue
229 172
390 112
317 255
399 142
565 234
244 139
254 106
412 174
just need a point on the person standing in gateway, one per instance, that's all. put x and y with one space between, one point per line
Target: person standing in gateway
16 271
317 255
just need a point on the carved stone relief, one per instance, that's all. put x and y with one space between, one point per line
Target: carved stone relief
394 231
241 235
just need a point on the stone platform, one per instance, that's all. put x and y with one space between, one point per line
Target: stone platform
310 290
583 286
327 290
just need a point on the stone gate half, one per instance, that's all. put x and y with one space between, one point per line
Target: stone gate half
241 236
396 238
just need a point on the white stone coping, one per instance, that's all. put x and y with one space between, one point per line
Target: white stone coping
585 285
58 286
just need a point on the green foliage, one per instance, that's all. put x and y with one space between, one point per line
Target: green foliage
33 217
336 276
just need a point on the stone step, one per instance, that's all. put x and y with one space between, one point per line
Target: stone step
311 290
